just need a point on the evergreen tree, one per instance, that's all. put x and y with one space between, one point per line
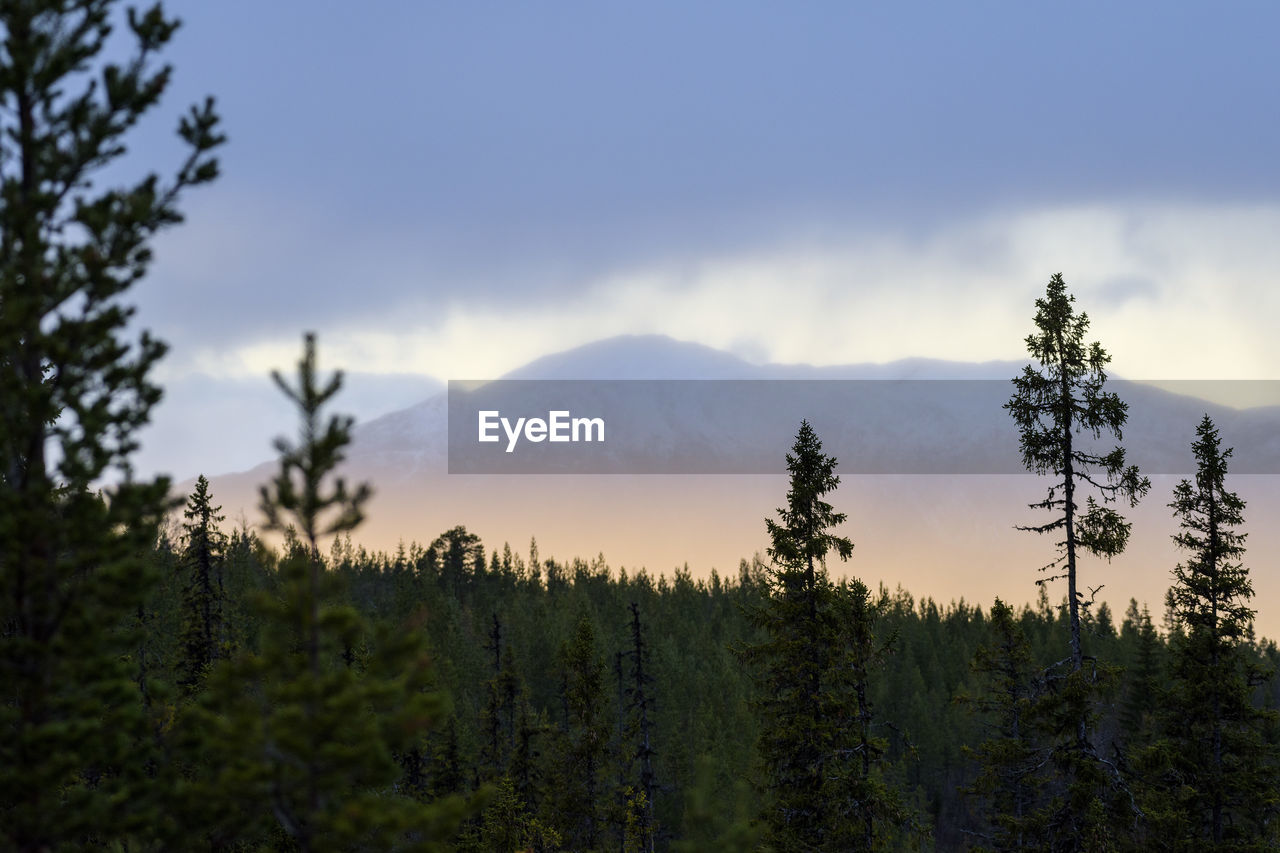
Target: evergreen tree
576 791
301 742
1010 779
1216 786
74 390
203 592
526 758
1143 675
640 704
1058 407
498 716
508 827
812 670
460 553
881 818
713 825
448 776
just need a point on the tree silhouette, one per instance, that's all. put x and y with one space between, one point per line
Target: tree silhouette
297 740
1214 768
74 391
1059 406
203 590
821 759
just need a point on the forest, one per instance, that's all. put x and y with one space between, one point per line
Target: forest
594 710
172 682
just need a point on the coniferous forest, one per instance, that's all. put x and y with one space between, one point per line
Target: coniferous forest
170 681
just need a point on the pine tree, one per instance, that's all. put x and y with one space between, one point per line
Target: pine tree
459 552
1216 786
299 741
203 592
74 390
1058 407
812 668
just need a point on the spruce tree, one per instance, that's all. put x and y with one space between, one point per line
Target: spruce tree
74 391
1143 675
576 795
526 758
496 731
639 694
203 591
820 757
1215 785
881 819
460 553
1062 410
1011 760
298 742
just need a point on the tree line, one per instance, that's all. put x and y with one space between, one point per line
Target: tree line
238 695
172 684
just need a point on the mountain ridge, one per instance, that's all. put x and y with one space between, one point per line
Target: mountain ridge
948 536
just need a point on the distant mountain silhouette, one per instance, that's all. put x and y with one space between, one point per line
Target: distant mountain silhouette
636 357
887 427
948 537
662 357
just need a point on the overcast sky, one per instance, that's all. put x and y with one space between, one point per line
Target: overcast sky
448 190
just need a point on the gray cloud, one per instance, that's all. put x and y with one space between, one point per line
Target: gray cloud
408 158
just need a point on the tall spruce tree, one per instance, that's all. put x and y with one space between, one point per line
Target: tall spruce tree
819 756
74 390
1062 410
1215 778
203 589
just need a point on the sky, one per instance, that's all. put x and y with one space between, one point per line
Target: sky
450 190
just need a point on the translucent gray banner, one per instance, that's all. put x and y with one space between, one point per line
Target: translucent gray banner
870 426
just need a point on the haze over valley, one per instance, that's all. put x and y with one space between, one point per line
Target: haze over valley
948 537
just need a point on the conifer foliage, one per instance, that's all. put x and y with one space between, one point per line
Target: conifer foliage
203 589
74 390
1213 781
1058 406
639 713
820 755
1062 410
301 740
1012 759
310 718
582 741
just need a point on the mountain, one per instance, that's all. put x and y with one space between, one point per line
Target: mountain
662 357
934 533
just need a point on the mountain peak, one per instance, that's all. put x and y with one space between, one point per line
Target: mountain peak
662 357
637 357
